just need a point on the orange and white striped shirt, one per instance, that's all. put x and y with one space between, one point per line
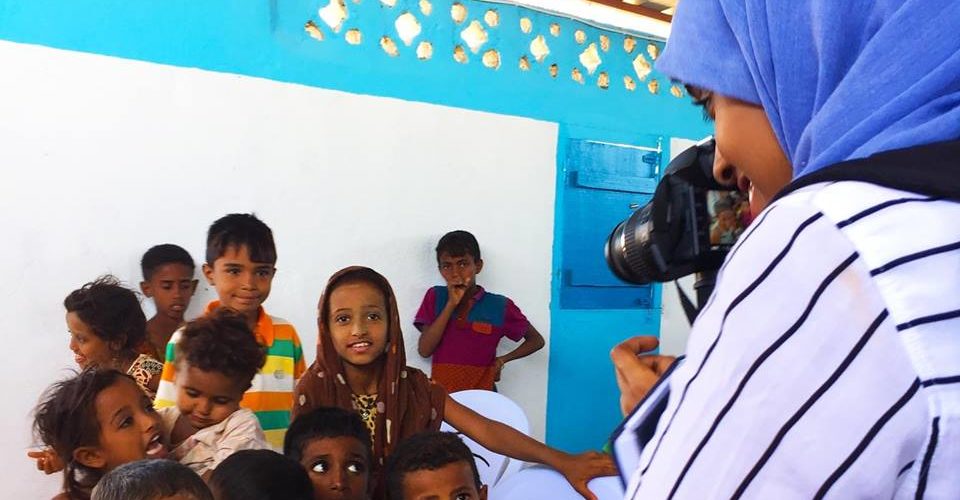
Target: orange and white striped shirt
270 395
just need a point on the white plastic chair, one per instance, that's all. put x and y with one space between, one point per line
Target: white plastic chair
543 482
494 406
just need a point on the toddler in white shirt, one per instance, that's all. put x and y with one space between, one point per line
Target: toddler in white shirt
217 356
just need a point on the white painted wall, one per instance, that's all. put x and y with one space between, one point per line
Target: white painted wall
674 326
600 14
103 157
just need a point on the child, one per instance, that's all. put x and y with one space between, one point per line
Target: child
107 328
151 480
260 475
361 366
726 229
240 266
168 280
462 323
433 465
95 422
333 446
216 358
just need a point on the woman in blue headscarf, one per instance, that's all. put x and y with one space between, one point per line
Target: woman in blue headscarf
827 361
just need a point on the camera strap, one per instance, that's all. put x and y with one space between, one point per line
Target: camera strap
689 308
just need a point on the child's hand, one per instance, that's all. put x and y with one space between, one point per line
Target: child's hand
47 460
456 293
580 469
497 368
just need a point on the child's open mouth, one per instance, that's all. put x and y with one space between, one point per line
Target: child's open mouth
156 448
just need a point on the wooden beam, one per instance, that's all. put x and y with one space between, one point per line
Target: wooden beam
636 9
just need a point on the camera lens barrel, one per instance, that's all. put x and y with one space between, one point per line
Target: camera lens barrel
631 254
669 237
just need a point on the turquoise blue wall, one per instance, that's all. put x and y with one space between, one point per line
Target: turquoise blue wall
266 38
583 404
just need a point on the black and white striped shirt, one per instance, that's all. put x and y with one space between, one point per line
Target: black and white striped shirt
827 362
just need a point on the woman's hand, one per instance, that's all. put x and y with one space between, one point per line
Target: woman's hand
580 469
637 372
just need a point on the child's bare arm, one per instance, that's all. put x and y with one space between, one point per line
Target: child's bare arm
154 383
532 342
578 469
431 334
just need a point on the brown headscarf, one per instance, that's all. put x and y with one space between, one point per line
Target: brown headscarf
407 401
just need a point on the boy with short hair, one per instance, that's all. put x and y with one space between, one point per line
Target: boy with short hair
260 475
461 323
151 479
333 446
433 465
240 266
168 272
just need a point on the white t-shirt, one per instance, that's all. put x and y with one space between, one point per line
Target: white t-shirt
205 450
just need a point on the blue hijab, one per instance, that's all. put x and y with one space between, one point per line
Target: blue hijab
838 79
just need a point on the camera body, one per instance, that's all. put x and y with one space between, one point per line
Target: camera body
684 229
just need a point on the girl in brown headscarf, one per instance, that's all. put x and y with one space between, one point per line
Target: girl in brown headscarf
361 365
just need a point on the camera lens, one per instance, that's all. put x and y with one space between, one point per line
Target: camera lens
670 237
631 254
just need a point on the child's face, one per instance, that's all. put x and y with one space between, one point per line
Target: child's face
171 287
241 284
129 428
206 398
358 323
452 481
727 219
88 349
460 271
339 468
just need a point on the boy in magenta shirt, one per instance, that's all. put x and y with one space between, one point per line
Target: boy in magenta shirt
461 324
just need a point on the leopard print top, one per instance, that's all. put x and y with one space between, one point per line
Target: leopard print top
143 369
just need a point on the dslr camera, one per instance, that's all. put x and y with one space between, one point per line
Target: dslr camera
688 227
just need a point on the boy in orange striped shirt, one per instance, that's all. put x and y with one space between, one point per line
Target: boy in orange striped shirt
240 265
